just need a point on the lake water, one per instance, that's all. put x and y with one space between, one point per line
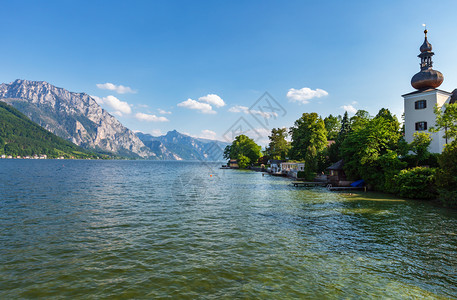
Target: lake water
148 229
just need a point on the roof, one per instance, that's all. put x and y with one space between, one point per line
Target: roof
276 161
427 90
453 97
337 166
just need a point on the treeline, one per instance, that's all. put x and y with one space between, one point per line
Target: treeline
21 137
372 148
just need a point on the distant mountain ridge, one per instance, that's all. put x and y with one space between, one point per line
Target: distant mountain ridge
178 146
73 116
78 118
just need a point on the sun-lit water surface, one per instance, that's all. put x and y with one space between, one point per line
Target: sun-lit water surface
145 229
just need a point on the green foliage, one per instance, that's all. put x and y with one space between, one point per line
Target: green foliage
446 177
333 126
361 118
242 147
416 183
309 137
278 147
446 119
345 128
20 136
419 146
369 150
243 162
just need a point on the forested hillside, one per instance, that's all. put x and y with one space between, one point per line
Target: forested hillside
20 136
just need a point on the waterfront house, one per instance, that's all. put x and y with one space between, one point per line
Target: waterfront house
337 177
275 166
233 163
291 169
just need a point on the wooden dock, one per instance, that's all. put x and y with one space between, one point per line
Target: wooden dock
346 188
308 183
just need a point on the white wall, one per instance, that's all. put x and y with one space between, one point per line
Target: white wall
427 114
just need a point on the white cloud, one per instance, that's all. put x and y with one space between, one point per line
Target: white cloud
239 108
208 134
164 112
120 89
150 118
156 132
204 108
116 104
305 94
212 99
117 113
245 109
349 108
119 107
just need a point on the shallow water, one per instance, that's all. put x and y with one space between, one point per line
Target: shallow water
146 229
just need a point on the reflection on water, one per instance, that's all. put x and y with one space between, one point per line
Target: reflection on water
142 229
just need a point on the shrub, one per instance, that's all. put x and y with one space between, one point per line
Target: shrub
448 198
416 183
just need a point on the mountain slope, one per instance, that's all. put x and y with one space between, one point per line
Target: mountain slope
178 146
20 136
73 116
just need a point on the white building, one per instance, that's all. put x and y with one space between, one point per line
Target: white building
419 105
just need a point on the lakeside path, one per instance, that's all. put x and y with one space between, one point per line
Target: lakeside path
149 229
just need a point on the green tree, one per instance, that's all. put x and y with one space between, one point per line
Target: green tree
361 118
446 119
278 146
309 137
369 151
241 147
446 177
345 127
333 126
243 161
419 146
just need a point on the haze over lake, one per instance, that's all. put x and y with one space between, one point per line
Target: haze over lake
146 229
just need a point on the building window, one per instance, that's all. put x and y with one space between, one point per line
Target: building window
421 104
421 125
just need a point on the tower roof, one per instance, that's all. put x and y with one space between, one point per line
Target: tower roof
426 46
427 78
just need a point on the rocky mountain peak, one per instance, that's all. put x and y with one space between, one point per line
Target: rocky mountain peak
74 116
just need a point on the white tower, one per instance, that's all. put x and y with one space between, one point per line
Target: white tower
419 105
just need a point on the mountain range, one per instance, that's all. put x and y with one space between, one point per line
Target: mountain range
78 118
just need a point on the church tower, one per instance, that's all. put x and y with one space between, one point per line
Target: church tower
419 105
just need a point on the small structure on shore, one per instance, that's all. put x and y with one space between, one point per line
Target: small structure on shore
275 166
337 176
233 163
291 169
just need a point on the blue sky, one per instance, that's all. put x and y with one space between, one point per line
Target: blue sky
196 66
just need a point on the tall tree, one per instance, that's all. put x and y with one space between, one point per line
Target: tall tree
369 152
333 126
309 137
243 149
446 119
278 146
361 118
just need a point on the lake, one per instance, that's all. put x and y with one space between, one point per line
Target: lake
151 229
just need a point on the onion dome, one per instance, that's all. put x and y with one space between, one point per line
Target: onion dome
427 78
426 46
